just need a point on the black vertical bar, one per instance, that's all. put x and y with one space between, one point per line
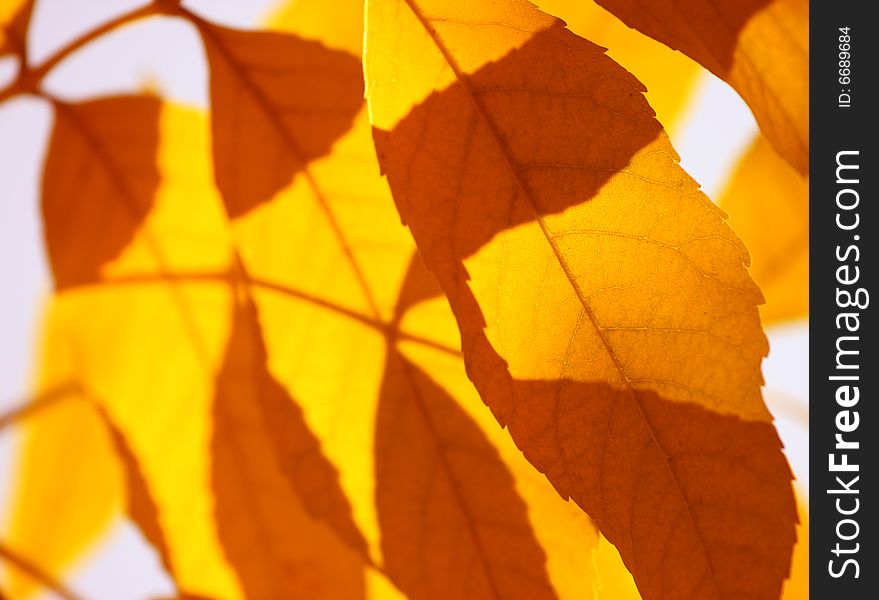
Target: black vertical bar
844 561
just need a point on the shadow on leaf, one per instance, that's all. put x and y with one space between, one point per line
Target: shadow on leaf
99 182
548 133
278 102
283 520
624 281
712 44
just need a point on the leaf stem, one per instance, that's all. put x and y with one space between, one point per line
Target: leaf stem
29 79
38 403
29 568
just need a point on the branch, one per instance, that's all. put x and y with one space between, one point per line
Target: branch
26 566
28 80
36 404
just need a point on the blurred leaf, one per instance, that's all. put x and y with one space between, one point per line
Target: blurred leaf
99 182
759 47
768 203
278 102
64 452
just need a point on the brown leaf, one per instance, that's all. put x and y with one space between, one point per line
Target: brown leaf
277 549
760 47
278 102
452 523
296 448
606 313
99 182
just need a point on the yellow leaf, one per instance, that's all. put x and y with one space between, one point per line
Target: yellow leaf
338 24
763 190
152 335
64 453
141 506
67 489
605 308
759 47
141 348
345 303
331 268
277 549
92 145
277 102
668 76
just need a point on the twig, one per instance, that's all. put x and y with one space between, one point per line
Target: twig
38 403
26 566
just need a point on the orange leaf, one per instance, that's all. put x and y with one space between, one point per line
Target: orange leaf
323 258
669 76
98 182
276 549
115 331
278 102
331 269
141 507
764 189
452 523
605 309
64 452
139 306
760 47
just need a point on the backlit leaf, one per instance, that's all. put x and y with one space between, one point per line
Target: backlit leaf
342 304
140 505
668 76
99 182
764 190
278 102
140 347
277 550
760 47
64 452
605 309
333 273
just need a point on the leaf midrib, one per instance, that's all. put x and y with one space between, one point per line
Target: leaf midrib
508 159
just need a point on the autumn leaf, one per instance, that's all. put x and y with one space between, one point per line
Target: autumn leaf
353 221
669 77
64 452
141 506
352 315
438 476
279 374
759 47
781 252
605 309
30 569
277 103
276 550
617 583
119 186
